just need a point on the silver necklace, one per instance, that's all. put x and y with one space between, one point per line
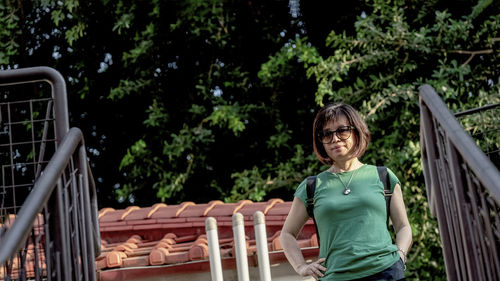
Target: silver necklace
347 190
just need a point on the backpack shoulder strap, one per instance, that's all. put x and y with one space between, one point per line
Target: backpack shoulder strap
384 178
311 188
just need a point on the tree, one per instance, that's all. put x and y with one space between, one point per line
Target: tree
200 125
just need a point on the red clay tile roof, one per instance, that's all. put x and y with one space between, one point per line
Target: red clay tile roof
162 239
38 229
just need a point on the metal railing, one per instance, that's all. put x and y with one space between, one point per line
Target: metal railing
48 209
463 191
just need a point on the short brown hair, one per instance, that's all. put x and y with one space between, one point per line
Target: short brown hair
332 112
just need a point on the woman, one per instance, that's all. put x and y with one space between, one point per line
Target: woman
349 207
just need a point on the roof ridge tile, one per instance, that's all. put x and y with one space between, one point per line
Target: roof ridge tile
272 202
183 206
155 208
115 259
198 251
104 211
128 210
211 205
158 256
240 205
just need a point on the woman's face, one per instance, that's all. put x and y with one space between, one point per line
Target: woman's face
339 149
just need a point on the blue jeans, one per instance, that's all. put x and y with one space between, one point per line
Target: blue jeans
395 272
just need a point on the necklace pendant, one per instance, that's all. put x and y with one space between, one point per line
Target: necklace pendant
347 191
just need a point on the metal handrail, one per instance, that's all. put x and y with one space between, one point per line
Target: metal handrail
463 192
16 235
475 110
486 172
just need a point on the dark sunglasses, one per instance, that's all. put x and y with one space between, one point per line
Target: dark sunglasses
342 133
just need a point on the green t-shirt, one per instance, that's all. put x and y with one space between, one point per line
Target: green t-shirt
354 237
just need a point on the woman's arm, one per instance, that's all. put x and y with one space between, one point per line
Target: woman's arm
294 222
400 222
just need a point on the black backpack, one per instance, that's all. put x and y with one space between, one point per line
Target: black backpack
311 188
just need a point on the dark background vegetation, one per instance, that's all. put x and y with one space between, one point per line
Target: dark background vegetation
197 100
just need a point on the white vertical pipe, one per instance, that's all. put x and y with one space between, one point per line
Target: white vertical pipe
259 222
213 249
240 247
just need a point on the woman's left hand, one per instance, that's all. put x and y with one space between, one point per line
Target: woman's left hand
314 269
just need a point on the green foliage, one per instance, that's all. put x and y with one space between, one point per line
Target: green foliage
480 6
281 64
67 12
205 19
127 87
281 138
137 151
143 45
182 152
9 31
255 183
216 111
124 15
157 117
75 33
231 116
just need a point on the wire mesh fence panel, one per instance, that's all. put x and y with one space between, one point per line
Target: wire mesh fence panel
46 193
26 143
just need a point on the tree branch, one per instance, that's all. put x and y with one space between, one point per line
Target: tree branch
472 54
478 52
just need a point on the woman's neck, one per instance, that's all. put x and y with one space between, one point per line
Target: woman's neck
343 166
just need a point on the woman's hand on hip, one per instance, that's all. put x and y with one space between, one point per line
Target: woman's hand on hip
314 269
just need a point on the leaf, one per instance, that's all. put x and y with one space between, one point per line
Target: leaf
57 16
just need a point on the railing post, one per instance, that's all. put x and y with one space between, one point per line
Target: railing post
259 222
240 247
87 212
61 235
213 249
